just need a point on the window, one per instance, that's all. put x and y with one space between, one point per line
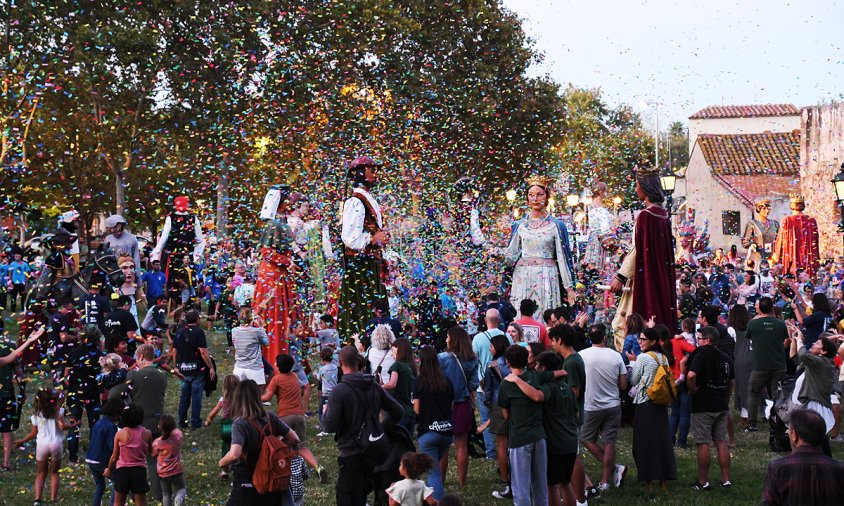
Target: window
731 222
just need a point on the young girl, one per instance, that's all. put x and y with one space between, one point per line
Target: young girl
131 446
47 425
223 407
411 491
168 451
112 379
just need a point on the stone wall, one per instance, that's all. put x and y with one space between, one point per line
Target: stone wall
821 155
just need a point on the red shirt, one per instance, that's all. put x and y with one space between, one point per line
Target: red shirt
535 331
679 347
286 387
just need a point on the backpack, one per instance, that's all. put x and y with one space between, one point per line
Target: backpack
272 470
372 437
662 391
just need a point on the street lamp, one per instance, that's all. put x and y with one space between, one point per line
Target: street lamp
616 201
511 196
586 197
551 203
572 200
668 181
838 185
643 105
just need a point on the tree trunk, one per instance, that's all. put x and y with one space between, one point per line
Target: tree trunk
119 192
223 202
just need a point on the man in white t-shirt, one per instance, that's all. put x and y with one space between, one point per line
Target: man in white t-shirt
606 378
766 280
481 346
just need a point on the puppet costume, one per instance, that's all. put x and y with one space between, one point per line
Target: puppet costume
180 237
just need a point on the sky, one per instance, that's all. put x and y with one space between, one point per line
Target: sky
686 55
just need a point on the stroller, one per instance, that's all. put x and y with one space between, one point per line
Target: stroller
780 413
387 473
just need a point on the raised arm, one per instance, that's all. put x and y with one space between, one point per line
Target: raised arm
532 393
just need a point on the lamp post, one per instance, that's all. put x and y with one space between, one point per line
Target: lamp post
616 201
511 198
838 185
643 105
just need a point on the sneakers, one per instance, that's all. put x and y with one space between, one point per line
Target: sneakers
726 484
620 473
751 429
603 487
323 434
504 493
593 493
701 487
837 439
323 475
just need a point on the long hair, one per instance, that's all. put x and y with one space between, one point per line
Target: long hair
820 302
244 316
520 331
499 345
460 344
653 335
431 377
634 324
246 401
382 337
230 382
738 317
404 353
46 403
652 188
167 424
665 342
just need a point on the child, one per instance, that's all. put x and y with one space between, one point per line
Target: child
131 446
689 327
327 376
47 425
298 474
112 379
168 451
223 407
327 334
101 446
411 491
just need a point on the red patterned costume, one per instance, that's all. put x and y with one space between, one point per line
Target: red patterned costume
797 241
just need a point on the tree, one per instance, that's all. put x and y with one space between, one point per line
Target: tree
678 139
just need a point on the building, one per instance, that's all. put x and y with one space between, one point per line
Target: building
737 154
821 156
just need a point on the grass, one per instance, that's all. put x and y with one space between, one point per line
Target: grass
201 452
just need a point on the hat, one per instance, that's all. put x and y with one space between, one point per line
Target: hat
62 236
542 181
362 161
114 220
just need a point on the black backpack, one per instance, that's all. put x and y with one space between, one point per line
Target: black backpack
372 437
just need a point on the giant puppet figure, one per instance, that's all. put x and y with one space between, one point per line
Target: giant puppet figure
760 233
181 238
469 237
312 246
797 241
539 248
648 269
274 290
364 236
601 222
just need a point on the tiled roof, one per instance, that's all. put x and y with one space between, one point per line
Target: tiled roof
750 188
745 111
752 154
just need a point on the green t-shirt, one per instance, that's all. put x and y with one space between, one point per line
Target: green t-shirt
766 336
559 415
402 391
576 378
525 416
7 390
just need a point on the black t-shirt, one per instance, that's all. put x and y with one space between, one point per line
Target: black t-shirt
246 435
84 363
59 323
815 324
187 344
119 323
725 343
96 307
434 409
404 385
713 372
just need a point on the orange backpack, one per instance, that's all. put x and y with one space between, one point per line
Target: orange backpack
272 470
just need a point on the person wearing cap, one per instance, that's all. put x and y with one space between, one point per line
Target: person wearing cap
180 237
364 237
122 242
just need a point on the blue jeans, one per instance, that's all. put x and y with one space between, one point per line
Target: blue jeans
529 474
681 416
435 445
99 484
489 439
193 388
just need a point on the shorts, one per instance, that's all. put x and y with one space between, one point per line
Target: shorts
710 426
497 423
297 425
9 419
462 416
44 451
256 375
601 422
130 480
560 467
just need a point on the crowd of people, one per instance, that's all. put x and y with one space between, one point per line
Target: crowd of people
539 378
